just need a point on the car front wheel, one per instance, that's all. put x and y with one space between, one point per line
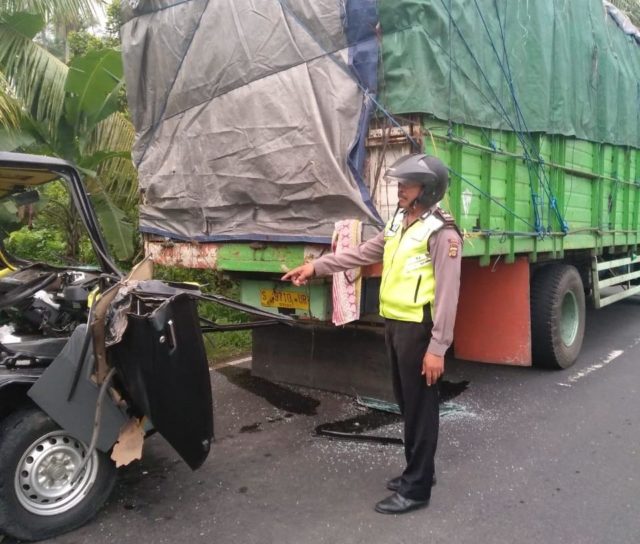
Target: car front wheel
38 498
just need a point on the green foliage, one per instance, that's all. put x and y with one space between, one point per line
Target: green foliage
49 223
9 110
72 112
82 42
40 244
58 10
92 86
220 345
223 346
9 220
117 228
26 25
114 20
37 77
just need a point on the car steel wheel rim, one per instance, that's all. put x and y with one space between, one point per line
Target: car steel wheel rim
569 319
43 476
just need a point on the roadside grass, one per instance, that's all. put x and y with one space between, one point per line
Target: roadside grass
226 346
220 346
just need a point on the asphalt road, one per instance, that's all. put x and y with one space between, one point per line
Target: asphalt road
525 456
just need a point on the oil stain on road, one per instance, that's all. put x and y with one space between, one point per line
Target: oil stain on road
281 397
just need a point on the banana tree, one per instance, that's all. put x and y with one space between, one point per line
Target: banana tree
70 112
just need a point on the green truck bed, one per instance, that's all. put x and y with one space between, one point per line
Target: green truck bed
574 195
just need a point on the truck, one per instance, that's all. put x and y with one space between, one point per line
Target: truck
261 124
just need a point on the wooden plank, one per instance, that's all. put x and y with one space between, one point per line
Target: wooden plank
511 195
607 265
485 208
595 282
622 278
626 169
455 190
537 189
636 203
557 183
613 195
619 296
596 194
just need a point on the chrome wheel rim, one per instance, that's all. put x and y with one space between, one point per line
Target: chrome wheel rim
43 475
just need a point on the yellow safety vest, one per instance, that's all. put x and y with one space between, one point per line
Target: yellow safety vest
408 281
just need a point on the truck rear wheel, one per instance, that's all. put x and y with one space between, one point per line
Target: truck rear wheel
37 461
557 316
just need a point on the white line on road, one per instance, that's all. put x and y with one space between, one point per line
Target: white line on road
607 360
231 363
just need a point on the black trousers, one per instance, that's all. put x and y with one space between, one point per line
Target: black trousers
406 346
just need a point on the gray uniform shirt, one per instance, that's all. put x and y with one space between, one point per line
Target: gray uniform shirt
445 248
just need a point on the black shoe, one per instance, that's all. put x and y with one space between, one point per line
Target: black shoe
397 504
394 483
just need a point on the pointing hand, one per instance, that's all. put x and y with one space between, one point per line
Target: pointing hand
300 275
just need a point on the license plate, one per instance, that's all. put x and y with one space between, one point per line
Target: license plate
284 299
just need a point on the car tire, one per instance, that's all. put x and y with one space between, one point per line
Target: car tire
37 459
558 316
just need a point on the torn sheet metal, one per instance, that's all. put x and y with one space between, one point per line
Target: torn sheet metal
134 297
128 448
98 317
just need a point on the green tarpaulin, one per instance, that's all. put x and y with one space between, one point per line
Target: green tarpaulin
558 66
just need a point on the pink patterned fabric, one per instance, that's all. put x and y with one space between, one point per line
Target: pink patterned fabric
346 285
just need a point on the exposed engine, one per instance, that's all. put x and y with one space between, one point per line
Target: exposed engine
40 306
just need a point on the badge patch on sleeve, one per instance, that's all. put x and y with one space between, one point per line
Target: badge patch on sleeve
454 247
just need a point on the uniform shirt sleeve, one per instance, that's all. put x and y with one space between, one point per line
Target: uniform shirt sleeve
445 247
369 252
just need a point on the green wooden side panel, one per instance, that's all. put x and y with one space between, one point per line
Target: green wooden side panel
258 257
513 194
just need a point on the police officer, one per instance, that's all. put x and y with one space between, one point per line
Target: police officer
421 250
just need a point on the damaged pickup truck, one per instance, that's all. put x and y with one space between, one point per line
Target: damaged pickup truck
91 362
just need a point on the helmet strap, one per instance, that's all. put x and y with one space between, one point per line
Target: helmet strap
417 199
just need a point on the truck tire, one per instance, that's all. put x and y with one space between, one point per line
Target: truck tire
37 458
557 316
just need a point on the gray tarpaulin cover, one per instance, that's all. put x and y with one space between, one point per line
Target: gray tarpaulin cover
251 114
245 123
